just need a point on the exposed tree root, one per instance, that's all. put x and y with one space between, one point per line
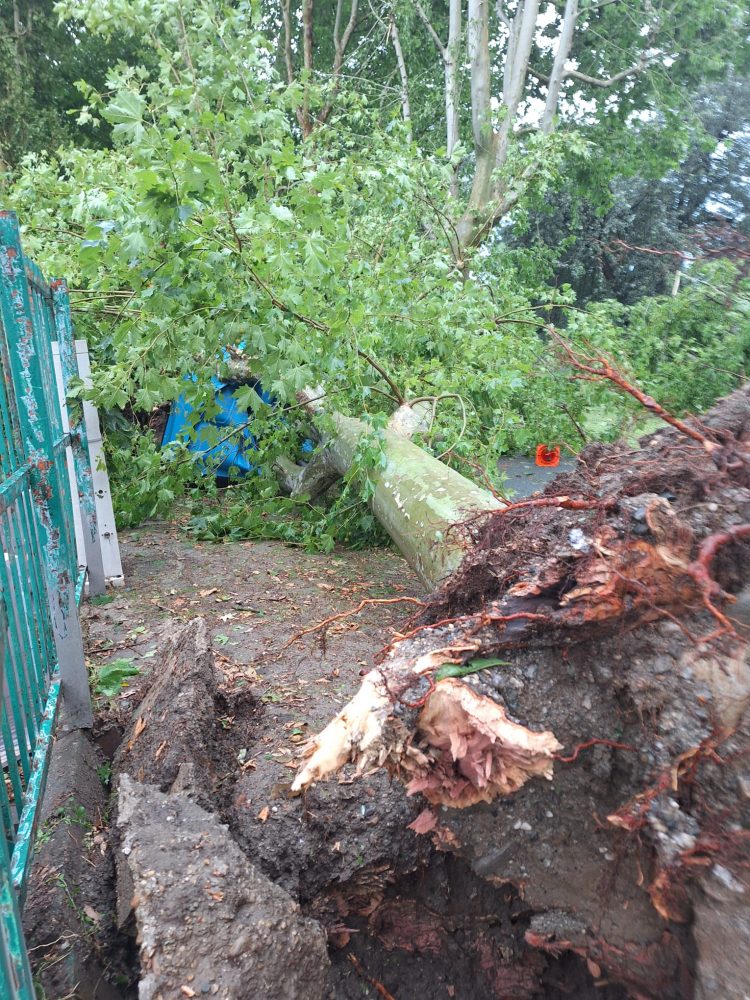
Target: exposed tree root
647 550
609 562
375 983
614 581
368 602
595 742
700 570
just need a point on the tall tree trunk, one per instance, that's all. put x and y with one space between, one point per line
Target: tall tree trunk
18 46
307 47
478 47
564 44
450 54
340 44
473 221
286 40
451 59
401 63
486 202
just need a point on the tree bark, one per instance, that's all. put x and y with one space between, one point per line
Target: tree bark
287 40
401 62
311 480
392 32
340 44
487 202
307 47
478 47
564 44
450 54
416 498
18 35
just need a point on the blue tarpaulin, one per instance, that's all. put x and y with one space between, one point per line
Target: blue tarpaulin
230 456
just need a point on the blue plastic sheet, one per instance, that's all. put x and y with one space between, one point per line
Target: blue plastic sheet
232 454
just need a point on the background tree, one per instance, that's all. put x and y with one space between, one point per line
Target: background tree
308 222
699 209
618 75
42 58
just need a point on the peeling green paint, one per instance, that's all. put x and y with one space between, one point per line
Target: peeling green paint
78 442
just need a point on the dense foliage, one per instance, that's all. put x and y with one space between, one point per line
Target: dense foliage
329 261
700 208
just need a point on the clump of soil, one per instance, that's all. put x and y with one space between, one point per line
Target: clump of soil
699 499
446 926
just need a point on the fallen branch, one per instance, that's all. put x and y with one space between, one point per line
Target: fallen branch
599 367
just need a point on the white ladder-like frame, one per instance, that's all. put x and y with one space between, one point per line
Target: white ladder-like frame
103 497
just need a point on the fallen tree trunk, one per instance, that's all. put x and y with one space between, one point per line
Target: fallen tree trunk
606 616
418 500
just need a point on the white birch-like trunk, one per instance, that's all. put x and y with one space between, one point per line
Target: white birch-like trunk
451 57
477 43
486 201
564 45
517 67
478 46
401 63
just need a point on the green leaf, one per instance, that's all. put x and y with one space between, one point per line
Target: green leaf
111 677
471 667
281 212
125 112
101 599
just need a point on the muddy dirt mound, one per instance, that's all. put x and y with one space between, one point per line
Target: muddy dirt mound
621 486
399 914
173 727
209 923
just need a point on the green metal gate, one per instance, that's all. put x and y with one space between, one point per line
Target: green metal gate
41 648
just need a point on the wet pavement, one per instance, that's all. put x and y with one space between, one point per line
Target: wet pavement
524 477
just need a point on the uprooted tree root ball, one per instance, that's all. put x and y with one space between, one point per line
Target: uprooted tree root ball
632 572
